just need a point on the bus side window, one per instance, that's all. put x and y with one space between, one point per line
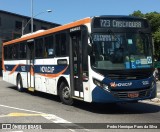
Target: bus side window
61 44
22 50
10 52
15 51
5 52
39 48
49 46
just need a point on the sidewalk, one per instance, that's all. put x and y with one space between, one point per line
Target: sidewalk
157 99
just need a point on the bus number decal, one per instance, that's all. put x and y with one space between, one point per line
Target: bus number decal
23 68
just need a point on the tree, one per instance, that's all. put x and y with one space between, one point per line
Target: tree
156 37
138 14
154 20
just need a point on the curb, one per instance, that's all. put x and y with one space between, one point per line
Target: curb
157 99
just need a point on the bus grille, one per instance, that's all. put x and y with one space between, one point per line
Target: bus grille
128 77
124 94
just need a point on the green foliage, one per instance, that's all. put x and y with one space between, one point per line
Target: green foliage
138 14
154 20
156 36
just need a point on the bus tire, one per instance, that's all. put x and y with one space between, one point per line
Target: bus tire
65 94
19 84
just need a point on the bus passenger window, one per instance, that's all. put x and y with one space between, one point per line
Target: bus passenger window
61 44
49 47
39 48
5 52
15 51
22 51
10 52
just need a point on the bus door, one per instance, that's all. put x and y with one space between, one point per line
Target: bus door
30 63
76 64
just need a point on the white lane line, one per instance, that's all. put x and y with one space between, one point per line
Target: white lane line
63 122
50 117
15 131
21 109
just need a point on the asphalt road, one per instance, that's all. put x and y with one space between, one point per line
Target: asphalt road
16 107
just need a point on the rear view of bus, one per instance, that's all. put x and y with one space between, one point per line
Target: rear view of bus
121 59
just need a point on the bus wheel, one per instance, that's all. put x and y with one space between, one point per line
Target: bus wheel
19 84
65 94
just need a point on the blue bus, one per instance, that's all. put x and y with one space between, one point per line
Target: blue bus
103 59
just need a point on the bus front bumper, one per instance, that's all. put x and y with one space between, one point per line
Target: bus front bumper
100 95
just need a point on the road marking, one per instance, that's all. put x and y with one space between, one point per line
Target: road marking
20 114
53 118
65 124
21 109
15 131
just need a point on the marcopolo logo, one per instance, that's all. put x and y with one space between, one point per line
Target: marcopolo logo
113 84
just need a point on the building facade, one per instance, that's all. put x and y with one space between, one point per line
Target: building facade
11 26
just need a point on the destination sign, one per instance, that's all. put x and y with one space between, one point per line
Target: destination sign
119 23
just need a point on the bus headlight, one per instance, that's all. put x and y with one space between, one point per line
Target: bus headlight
100 84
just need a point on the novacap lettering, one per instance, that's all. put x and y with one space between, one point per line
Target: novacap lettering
124 84
113 84
47 69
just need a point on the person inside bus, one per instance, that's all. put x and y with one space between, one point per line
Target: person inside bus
117 55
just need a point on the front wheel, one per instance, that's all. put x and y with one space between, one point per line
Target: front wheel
65 94
19 84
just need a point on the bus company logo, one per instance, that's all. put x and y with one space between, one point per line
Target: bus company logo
47 69
113 84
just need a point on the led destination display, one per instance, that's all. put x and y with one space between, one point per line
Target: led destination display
119 23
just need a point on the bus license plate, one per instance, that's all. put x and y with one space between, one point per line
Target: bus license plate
133 95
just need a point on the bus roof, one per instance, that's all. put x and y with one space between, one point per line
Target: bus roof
49 31
66 26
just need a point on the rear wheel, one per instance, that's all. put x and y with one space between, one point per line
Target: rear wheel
65 94
19 84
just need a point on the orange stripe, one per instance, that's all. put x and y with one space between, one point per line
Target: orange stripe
3 67
54 75
14 69
32 71
53 30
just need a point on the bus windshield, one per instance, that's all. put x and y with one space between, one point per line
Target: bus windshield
120 51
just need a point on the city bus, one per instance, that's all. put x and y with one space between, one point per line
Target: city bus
101 59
